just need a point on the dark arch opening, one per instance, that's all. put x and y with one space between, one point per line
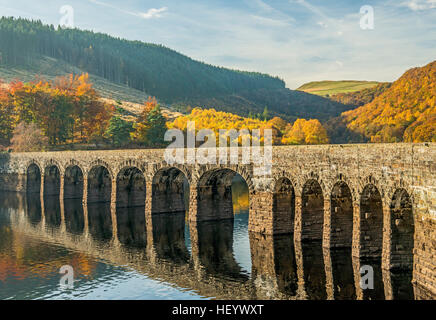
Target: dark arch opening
341 238
33 179
170 201
130 202
222 240
371 223
283 207
130 188
311 236
341 216
170 187
73 183
52 181
99 208
403 231
312 211
99 185
52 187
215 194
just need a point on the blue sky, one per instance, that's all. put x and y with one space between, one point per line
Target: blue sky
297 40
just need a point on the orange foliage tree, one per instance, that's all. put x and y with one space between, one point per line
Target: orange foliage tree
66 110
404 112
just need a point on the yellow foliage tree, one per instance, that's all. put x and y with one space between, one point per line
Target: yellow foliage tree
305 132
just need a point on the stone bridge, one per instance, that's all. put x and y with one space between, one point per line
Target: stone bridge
379 200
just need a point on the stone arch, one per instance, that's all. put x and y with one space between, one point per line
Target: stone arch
99 184
312 210
369 180
33 177
283 206
101 163
130 188
341 224
402 230
245 171
52 179
170 191
130 163
371 222
130 206
73 182
214 193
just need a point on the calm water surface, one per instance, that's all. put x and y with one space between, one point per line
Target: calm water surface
213 260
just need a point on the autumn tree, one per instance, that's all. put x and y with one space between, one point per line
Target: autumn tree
150 128
305 132
66 110
28 138
7 118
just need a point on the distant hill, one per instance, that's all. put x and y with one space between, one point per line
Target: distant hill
359 98
328 88
29 48
406 111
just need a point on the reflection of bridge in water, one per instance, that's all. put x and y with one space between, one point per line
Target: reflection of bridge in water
279 268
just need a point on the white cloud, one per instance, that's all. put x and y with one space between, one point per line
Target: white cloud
152 13
417 5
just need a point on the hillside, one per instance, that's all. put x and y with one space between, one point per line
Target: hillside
176 80
362 97
49 68
328 88
404 112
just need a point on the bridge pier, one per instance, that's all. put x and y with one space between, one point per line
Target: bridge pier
113 209
85 206
261 218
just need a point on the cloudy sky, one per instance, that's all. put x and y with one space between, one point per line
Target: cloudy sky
297 40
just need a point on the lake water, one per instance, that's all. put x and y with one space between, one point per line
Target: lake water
213 260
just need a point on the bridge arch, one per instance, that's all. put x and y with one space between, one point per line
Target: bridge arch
130 188
371 222
283 206
214 194
33 177
402 230
99 184
341 224
52 179
130 206
170 190
73 182
312 211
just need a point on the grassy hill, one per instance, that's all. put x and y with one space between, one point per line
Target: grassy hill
329 88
